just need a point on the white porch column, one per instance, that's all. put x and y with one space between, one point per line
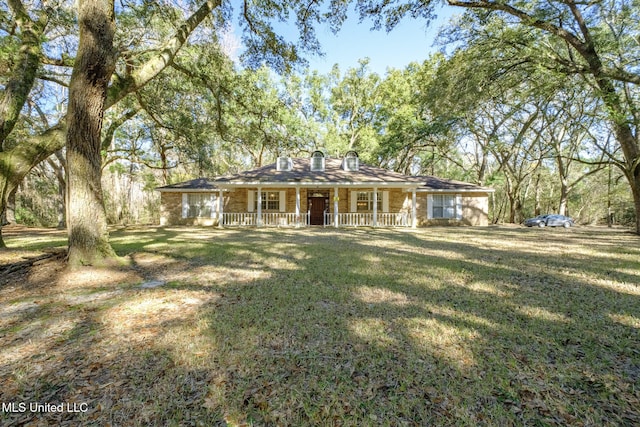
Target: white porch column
297 206
220 208
414 220
375 206
259 213
335 207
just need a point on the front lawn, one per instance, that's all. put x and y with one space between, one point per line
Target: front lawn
439 326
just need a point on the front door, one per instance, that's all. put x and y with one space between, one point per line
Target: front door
317 205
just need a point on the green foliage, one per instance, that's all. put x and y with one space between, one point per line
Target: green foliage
464 115
38 202
626 214
411 131
25 215
353 102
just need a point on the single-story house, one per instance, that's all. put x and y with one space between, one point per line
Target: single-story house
323 191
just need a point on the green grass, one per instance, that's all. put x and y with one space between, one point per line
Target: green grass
439 326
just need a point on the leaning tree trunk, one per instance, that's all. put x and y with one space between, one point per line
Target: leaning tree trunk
95 63
627 141
16 162
564 197
10 211
537 209
635 188
621 126
512 194
631 151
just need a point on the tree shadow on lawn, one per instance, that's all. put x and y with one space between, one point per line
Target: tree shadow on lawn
594 253
373 339
360 327
100 377
527 311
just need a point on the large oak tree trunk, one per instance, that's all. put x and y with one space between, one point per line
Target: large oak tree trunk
627 141
95 63
16 161
635 188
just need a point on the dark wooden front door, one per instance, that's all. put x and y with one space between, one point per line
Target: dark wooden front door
317 205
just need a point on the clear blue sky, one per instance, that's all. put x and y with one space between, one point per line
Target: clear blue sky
410 41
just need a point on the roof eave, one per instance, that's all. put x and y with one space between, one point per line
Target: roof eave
187 189
455 190
294 184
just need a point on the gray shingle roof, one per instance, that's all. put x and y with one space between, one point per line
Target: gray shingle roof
333 173
434 183
194 184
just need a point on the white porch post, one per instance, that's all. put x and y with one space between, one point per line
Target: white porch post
414 220
220 208
375 206
335 207
297 206
259 218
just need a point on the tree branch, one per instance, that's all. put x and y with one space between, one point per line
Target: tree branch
111 130
23 74
154 66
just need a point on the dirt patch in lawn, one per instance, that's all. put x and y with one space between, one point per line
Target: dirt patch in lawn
38 269
92 346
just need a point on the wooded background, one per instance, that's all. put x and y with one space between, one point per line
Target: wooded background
538 100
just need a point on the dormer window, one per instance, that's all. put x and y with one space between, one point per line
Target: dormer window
317 161
351 161
284 164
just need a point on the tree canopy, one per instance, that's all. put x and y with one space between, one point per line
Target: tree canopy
531 93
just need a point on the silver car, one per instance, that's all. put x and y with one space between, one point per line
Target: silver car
550 221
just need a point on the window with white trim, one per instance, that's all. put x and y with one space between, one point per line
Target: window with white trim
317 161
444 206
284 164
365 201
351 161
200 205
270 201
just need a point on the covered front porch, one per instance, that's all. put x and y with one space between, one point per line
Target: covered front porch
328 219
323 192
327 207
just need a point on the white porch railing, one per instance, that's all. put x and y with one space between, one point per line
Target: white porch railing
283 220
269 219
352 219
239 218
393 219
279 219
366 219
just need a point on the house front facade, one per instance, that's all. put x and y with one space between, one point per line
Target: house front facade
321 191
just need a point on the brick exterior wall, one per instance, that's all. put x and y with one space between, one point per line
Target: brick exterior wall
171 211
475 211
170 208
474 205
